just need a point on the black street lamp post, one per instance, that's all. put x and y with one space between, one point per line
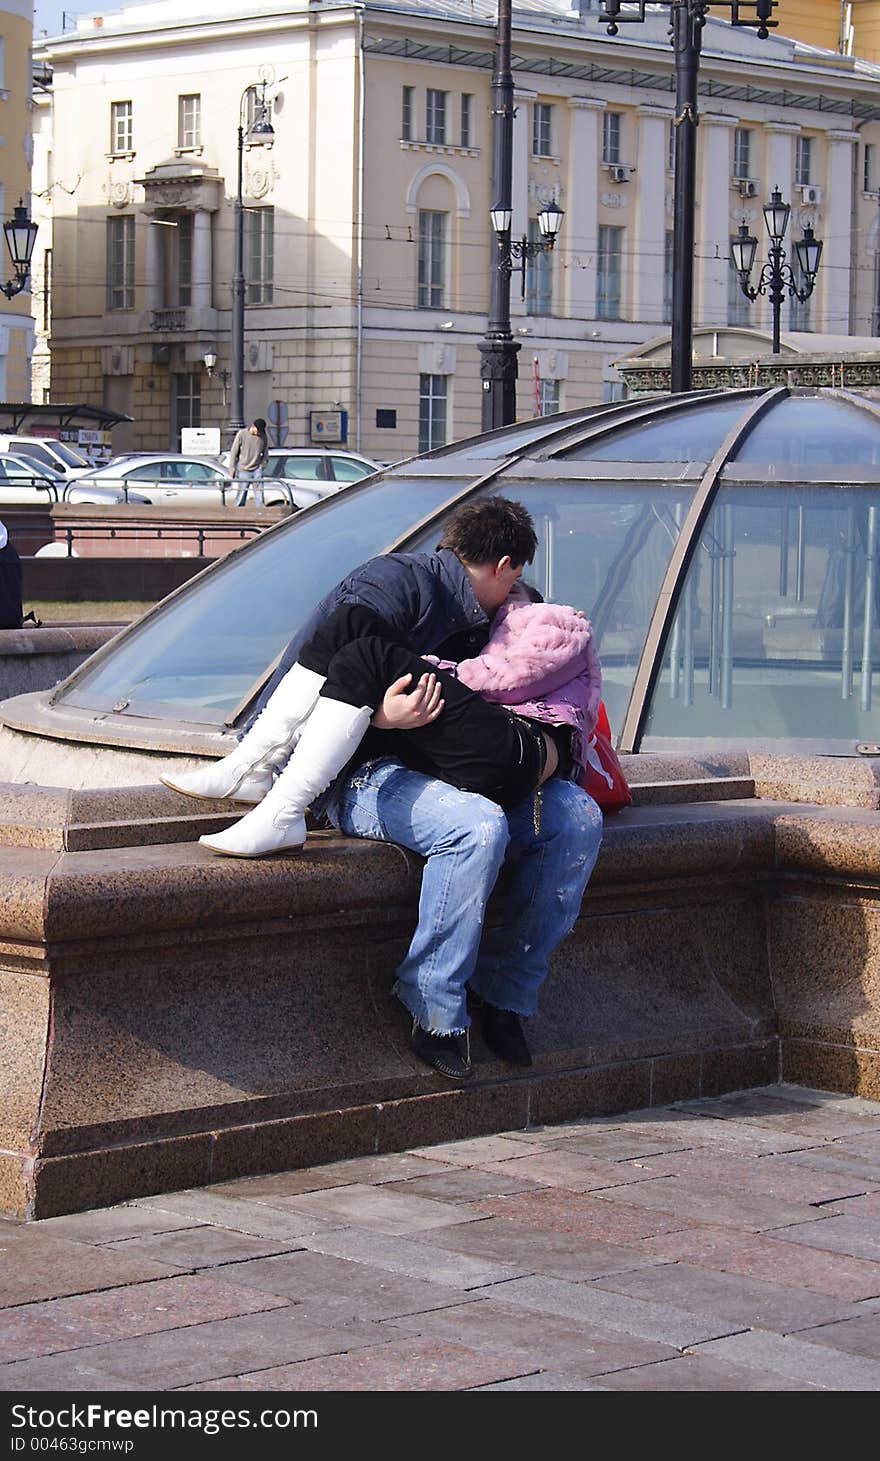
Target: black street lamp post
687 20
260 133
777 278
498 367
21 235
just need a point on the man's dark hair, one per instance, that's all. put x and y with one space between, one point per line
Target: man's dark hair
260 425
489 529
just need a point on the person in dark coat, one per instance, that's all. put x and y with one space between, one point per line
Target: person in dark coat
10 583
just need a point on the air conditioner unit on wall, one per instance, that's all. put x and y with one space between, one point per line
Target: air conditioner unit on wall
810 193
619 172
748 187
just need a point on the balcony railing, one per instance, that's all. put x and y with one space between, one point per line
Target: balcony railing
168 319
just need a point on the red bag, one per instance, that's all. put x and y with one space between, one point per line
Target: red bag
603 777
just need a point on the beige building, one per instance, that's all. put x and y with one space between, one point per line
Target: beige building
851 27
367 240
16 323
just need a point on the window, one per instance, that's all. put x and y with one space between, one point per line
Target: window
120 262
742 152
47 290
738 306
548 397
608 273
668 245
466 110
184 237
432 260
187 401
435 116
803 162
539 276
121 127
869 183
406 112
611 136
670 148
189 121
542 129
259 255
432 411
175 232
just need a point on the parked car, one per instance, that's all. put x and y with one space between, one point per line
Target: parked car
58 456
23 480
168 478
313 474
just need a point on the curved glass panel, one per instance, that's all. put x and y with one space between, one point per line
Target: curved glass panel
693 435
777 633
203 651
604 548
809 431
519 438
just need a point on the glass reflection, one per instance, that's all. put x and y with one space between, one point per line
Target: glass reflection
776 634
203 651
804 431
604 547
693 435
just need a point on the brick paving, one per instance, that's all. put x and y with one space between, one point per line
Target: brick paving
726 1244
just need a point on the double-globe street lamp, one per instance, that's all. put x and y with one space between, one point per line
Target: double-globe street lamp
259 133
498 367
21 235
687 20
777 278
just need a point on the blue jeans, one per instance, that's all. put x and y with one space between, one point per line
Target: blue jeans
465 839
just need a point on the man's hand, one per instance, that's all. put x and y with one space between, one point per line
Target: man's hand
404 709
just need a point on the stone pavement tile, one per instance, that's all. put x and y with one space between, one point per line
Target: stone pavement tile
832 1120
696 1372
839 1235
837 1157
866 1146
680 1132
106 1224
338 1290
395 1365
35 1267
588 1304
391 1167
466 1184
760 1350
479 1150
112 1314
855 1336
757 1255
621 1143
559 1211
773 1176
544 1380
558 1255
204 1247
749 1302
381 1211
572 1170
865 1206
418 1259
811 1096
581 1350
704 1202
183 1356
238 1214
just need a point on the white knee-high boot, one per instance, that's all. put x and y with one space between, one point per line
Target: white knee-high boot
246 773
329 738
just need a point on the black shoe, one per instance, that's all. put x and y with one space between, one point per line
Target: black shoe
448 1054
503 1034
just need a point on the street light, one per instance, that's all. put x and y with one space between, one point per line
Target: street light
21 235
549 222
687 17
259 133
210 359
777 278
498 367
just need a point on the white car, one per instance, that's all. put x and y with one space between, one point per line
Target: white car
315 473
25 481
167 478
56 456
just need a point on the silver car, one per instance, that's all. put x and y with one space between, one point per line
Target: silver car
311 473
166 478
24 481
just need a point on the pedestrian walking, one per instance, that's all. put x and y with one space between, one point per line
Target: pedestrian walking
248 456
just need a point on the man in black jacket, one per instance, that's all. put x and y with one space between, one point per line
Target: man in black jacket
10 583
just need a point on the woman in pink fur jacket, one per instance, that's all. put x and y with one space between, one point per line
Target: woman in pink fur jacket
500 724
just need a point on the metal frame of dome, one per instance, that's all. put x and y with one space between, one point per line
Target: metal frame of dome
523 453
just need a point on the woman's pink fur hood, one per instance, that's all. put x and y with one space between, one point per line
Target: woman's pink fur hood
533 650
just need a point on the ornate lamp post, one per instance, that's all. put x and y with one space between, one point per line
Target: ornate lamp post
687 19
777 278
260 133
549 222
21 235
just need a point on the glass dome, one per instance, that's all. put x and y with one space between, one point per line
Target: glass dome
724 544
